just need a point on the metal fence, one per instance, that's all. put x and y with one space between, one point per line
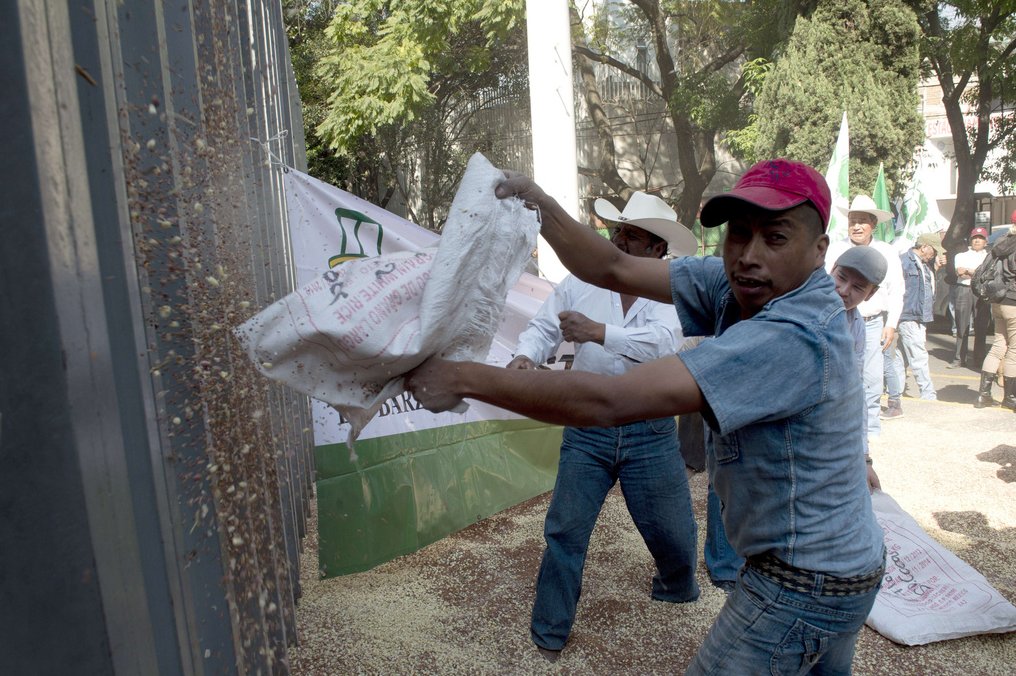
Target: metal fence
154 489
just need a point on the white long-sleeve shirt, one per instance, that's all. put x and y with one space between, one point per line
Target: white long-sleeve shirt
969 259
889 297
649 331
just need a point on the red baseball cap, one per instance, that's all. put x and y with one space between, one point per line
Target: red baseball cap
979 232
775 185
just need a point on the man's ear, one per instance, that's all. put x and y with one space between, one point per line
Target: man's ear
822 245
660 249
872 292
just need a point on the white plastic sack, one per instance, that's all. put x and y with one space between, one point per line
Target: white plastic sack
928 594
348 337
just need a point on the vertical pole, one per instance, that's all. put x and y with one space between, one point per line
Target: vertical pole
552 103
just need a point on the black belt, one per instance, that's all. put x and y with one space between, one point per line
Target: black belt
877 314
807 581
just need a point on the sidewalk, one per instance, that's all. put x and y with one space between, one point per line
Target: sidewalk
956 389
957 385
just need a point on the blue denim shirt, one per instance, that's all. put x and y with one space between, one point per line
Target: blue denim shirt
918 294
785 435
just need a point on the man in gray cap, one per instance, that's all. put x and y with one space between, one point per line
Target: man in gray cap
881 312
857 273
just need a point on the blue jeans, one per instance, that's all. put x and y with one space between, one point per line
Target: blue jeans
767 628
644 457
893 381
873 372
912 339
722 561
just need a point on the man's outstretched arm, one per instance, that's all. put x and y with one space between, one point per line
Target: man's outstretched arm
588 256
654 390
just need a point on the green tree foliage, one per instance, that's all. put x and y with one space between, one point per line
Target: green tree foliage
744 142
306 21
861 56
969 46
698 47
389 90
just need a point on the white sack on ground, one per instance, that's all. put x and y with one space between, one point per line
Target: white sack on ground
348 337
928 594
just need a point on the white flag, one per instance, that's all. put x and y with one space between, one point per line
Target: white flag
920 210
838 177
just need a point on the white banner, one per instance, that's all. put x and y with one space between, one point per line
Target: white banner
838 177
920 208
329 226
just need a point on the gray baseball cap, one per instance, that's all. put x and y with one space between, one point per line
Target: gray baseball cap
869 262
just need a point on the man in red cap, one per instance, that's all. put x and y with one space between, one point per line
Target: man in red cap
778 388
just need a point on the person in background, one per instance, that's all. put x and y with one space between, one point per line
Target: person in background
966 263
1003 350
881 312
778 388
918 301
722 562
857 274
613 332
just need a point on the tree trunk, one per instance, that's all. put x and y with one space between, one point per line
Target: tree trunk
606 169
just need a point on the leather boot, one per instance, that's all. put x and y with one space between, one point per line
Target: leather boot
984 393
1010 394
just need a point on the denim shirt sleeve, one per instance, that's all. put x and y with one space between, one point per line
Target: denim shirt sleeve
698 287
759 370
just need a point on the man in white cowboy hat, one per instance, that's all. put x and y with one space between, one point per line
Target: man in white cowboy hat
612 333
653 215
881 312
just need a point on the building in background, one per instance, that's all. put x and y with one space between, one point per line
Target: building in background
938 166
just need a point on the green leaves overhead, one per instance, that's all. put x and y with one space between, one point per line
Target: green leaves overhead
855 55
386 62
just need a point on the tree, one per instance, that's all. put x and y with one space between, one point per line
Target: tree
396 86
698 47
861 56
969 46
306 21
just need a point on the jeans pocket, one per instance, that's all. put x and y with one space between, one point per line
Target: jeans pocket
662 425
726 448
801 648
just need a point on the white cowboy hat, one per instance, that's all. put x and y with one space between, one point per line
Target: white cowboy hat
865 204
652 214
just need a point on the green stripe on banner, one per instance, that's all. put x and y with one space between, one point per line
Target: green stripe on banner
405 491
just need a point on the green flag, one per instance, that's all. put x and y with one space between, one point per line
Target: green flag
838 178
886 230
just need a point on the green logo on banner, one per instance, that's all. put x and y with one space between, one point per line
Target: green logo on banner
350 251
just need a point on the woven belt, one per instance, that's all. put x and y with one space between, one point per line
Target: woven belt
806 581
